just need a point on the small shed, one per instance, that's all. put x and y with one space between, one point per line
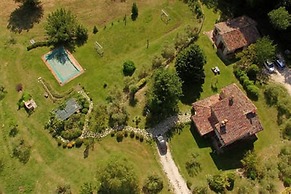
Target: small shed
71 107
30 104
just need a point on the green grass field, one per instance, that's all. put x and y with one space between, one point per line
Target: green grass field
49 165
188 141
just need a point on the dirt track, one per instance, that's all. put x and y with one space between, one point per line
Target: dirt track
173 174
283 77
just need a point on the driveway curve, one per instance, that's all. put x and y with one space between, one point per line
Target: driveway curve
173 174
283 77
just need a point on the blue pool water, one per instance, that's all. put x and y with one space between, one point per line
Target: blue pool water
61 64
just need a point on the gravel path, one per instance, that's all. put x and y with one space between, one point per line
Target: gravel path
173 174
89 110
168 164
283 77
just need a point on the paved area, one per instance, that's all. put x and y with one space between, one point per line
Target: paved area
283 77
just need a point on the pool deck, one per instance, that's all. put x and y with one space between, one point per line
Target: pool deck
72 58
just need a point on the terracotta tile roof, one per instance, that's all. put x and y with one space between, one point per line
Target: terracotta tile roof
232 115
202 118
238 32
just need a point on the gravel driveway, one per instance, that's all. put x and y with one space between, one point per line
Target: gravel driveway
173 174
283 77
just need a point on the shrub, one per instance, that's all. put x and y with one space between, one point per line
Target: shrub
284 165
134 12
59 142
193 167
273 92
64 145
249 163
141 83
125 133
137 136
200 190
153 184
230 180
141 138
287 181
219 182
71 134
253 71
86 104
128 68
85 110
168 52
79 142
189 184
19 87
132 134
119 136
22 152
112 133
253 91
69 145
38 44
63 189
157 62
95 30
13 131
284 107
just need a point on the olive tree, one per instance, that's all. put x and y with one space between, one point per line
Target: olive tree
190 65
280 18
62 28
118 176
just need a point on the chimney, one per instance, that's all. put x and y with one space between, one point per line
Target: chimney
223 126
231 100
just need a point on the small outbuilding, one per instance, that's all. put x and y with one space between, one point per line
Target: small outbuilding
234 35
70 108
30 104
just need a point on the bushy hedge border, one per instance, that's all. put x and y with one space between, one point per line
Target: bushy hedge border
38 44
249 86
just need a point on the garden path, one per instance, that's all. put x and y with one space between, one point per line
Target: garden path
83 93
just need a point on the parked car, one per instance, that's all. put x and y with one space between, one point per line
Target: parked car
269 66
161 143
280 62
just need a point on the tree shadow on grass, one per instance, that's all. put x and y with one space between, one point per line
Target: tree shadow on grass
232 156
191 92
25 16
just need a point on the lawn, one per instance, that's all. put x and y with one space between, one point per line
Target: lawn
49 165
188 141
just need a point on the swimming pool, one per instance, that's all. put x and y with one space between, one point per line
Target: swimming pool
63 65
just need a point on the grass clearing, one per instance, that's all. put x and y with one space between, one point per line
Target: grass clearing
188 141
48 165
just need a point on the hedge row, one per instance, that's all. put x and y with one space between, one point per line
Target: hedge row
249 86
121 134
38 44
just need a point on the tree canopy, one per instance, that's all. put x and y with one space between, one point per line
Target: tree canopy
153 184
118 177
27 1
134 12
264 49
280 18
190 65
258 52
165 92
62 28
